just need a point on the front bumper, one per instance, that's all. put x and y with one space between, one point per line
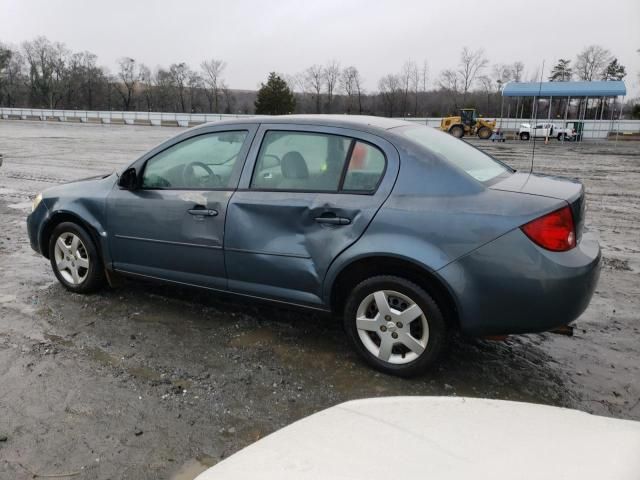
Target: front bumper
512 286
35 223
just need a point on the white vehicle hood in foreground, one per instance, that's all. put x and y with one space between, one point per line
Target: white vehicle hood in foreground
441 438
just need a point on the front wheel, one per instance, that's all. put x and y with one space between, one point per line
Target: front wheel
457 131
74 259
524 136
394 325
484 133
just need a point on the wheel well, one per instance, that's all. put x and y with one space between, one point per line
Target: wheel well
59 218
365 268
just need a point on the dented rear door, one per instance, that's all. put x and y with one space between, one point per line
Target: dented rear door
280 244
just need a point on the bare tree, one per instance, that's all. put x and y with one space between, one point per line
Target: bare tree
11 79
346 85
331 74
350 83
424 76
488 87
502 73
408 73
517 71
313 81
128 78
91 76
147 84
194 83
591 62
46 61
229 99
450 83
179 74
471 65
212 71
390 87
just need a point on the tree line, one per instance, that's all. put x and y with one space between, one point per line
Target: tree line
45 74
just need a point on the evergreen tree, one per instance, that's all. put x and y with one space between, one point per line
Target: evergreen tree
275 98
614 71
562 72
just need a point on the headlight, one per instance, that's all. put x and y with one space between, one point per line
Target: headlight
36 202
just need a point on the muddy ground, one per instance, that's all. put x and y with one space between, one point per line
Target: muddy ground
149 381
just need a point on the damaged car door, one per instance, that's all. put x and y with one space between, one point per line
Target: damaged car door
170 223
305 195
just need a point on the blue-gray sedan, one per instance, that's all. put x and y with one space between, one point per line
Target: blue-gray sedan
404 231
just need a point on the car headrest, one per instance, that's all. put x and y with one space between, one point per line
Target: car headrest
294 166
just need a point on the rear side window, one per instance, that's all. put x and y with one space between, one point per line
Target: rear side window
476 163
366 167
304 161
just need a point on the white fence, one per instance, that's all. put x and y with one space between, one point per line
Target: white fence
128 118
593 129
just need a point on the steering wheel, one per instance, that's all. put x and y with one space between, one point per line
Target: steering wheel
189 177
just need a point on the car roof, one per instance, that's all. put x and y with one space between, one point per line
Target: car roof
364 123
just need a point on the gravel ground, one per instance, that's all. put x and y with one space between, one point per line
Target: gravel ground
149 381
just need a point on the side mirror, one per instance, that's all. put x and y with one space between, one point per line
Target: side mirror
128 179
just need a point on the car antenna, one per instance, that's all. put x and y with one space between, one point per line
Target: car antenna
533 129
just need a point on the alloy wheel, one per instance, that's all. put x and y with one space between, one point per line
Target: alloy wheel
71 258
392 327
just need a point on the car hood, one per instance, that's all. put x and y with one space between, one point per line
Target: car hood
87 179
442 438
93 186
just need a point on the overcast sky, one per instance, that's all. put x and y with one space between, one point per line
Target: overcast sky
256 37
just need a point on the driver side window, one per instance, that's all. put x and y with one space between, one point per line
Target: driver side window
202 162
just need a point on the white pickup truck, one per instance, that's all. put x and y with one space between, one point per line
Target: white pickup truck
543 130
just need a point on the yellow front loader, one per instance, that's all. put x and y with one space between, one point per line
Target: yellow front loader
468 123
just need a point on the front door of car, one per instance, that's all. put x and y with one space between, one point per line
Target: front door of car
172 225
306 194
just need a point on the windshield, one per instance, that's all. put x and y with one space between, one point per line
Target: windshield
476 163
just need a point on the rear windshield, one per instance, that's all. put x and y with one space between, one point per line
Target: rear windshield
476 163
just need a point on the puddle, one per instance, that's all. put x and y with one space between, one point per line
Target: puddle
194 467
141 372
251 338
7 298
20 206
58 339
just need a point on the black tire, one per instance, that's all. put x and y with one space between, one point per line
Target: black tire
457 131
560 137
93 277
484 133
437 330
524 136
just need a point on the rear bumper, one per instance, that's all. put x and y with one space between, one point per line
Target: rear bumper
512 286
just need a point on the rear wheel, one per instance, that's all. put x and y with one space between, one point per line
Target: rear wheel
484 133
457 131
74 259
394 325
524 136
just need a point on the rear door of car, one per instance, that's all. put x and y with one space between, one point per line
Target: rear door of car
172 226
306 193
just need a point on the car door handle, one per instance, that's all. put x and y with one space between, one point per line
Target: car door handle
333 220
203 212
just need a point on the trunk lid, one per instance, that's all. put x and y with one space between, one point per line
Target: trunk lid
569 190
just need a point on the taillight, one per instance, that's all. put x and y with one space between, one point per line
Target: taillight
555 231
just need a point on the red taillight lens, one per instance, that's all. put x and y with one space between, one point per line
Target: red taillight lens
555 231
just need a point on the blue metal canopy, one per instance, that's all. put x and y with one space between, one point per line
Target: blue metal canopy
612 88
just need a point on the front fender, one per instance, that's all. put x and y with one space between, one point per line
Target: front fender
83 202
